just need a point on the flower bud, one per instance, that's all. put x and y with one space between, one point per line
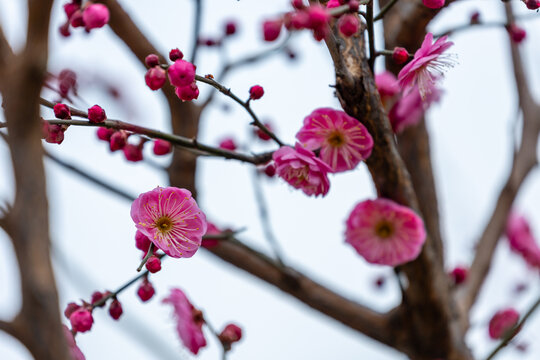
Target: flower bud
230 28
133 152
228 144
95 16
118 140
104 133
96 114
348 24
162 147
175 54
153 264
97 296
230 334
256 92
146 291
81 320
70 309
434 4
151 60
400 55
115 309
271 29
181 73
61 111
187 93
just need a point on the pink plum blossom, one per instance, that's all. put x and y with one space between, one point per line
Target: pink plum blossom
384 232
503 321
189 321
409 110
387 84
343 140
76 353
171 219
302 169
522 240
427 66
211 230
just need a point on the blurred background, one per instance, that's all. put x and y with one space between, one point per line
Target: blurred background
93 235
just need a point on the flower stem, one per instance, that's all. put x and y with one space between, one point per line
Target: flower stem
149 253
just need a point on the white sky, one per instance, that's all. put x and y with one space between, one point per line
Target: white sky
92 231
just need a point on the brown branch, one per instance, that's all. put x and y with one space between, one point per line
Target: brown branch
427 296
524 161
38 324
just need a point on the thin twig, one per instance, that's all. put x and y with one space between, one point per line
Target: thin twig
484 24
371 34
244 104
250 59
196 30
384 10
512 333
149 253
173 139
265 219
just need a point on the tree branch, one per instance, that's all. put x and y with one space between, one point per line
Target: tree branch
524 161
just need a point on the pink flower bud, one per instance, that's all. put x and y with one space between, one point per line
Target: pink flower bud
459 274
502 322
141 241
400 55
95 16
354 5
146 291
532 4
187 93
297 4
348 24
176 54
151 60
181 73
434 4
81 320
70 309
228 144
270 170
271 29
230 28
261 134
299 20
97 296
70 9
55 134
318 17
104 133
256 92
155 78
133 152
76 19
162 147
64 30
61 111
517 34
153 264
230 334
118 140
115 309
475 18
96 114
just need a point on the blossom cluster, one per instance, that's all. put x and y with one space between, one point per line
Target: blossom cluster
90 16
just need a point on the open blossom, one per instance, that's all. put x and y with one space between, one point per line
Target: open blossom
522 240
343 140
384 232
409 110
503 321
189 321
428 65
171 219
302 169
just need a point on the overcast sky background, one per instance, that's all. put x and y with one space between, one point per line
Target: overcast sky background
92 231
